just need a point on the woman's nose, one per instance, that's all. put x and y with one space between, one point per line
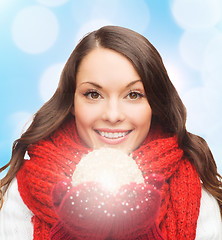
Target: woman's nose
113 111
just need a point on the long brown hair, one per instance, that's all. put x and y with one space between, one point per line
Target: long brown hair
167 107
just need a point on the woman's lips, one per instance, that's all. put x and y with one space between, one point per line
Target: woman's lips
112 136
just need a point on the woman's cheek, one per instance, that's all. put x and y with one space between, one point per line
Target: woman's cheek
139 113
87 113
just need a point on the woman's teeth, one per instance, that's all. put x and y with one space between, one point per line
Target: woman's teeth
113 135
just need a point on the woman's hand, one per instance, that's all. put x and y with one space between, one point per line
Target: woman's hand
88 211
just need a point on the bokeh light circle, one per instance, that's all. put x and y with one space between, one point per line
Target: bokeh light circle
35 29
193 44
196 14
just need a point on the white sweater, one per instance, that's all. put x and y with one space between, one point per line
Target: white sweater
15 217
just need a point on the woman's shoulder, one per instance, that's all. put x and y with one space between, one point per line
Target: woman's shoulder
209 224
15 217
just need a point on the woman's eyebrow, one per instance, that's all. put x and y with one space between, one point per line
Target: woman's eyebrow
92 83
132 83
98 86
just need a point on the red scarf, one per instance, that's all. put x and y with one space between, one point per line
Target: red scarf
54 158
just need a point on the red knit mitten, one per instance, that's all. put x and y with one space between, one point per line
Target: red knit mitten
137 207
88 211
82 209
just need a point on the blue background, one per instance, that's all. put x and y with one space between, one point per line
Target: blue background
37 38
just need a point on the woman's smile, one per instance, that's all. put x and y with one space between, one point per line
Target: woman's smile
112 136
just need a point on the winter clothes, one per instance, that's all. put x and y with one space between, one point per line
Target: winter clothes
55 158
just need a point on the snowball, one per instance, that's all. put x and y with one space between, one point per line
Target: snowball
110 167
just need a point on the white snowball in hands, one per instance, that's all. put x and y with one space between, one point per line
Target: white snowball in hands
110 167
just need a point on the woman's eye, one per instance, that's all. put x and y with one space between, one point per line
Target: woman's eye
92 95
134 95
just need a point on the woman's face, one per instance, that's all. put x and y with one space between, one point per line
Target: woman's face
110 105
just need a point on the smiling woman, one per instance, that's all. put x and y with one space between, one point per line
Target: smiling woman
114 92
